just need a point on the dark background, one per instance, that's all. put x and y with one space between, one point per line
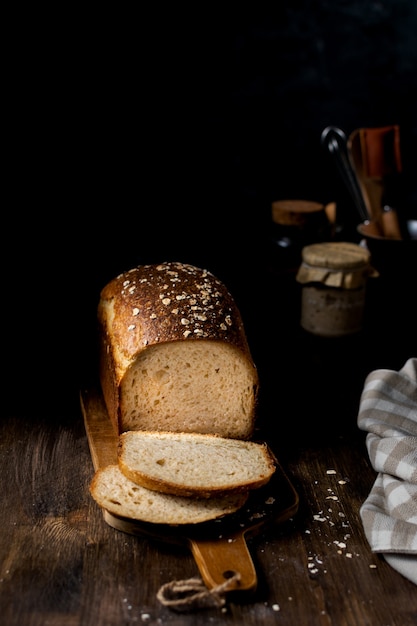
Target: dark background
165 134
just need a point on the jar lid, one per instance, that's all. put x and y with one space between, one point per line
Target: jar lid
338 255
335 264
295 212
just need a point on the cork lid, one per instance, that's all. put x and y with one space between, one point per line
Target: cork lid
335 264
295 212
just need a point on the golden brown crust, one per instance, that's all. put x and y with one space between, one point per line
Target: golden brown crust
109 380
171 302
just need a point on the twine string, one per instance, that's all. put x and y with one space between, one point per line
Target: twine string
192 594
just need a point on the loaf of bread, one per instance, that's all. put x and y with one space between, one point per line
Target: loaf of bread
174 354
191 464
120 496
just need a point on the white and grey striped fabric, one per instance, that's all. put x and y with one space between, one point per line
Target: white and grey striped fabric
388 413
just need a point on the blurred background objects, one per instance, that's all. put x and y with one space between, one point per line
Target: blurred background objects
167 134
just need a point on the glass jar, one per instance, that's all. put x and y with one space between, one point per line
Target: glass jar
333 277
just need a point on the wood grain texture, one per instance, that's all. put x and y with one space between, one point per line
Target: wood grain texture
61 564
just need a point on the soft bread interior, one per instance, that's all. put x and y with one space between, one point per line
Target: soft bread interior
120 496
190 386
193 464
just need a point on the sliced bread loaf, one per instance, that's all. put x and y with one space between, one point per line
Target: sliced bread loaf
174 354
118 495
192 464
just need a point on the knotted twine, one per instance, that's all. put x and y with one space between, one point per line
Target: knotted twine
192 594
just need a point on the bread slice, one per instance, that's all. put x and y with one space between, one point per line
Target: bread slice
120 496
174 354
192 464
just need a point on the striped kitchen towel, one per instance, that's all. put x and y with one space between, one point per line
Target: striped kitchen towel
388 413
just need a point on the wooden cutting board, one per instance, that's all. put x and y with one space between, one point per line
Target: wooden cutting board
219 547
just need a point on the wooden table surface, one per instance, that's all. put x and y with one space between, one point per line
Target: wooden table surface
63 565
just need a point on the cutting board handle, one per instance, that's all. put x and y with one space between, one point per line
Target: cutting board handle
220 559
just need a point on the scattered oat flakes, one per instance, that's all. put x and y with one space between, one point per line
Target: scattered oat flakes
257 516
331 471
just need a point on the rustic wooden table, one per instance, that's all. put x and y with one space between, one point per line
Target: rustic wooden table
62 564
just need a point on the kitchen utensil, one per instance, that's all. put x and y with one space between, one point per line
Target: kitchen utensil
335 141
376 159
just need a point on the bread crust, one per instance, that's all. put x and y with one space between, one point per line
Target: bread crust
154 304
